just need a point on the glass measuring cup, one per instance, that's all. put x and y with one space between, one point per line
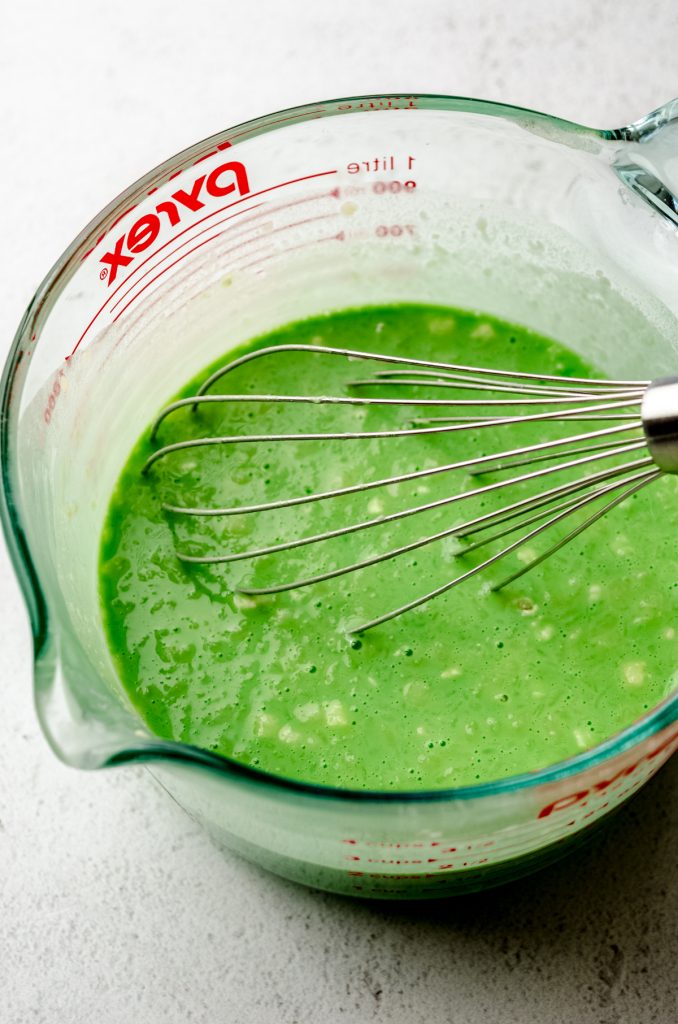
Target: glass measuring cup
569 230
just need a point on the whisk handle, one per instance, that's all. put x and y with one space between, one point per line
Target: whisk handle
659 413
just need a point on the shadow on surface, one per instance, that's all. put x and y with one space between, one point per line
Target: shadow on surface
593 938
590 940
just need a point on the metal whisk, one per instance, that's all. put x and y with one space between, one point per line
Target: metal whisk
638 428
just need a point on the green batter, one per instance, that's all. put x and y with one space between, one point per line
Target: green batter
472 686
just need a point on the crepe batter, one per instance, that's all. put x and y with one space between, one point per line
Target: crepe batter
474 685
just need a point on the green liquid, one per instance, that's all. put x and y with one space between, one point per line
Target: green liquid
472 686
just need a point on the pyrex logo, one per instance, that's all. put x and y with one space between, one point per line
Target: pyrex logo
222 181
612 783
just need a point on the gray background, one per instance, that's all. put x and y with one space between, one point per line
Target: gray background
114 908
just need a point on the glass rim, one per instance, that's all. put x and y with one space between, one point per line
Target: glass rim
47 293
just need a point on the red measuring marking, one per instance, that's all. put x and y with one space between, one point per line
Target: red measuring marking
206 156
267 211
150 191
228 206
138 266
171 252
279 120
246 241
340 237
282 206
385 860
169 267
333 193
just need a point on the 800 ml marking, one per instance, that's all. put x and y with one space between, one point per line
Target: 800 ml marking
393 230
52 397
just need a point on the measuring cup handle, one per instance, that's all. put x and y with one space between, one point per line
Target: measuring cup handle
647 163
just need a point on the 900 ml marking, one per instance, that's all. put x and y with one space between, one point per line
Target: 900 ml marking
379 187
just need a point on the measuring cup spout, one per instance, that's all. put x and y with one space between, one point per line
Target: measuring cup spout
648 163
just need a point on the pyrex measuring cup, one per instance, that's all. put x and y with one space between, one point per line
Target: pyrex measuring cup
569 230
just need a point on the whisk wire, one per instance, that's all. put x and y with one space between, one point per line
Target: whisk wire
403 514
513 398
199 442
411 605
648 478
430 380
381 357
419 378
400 478
460 531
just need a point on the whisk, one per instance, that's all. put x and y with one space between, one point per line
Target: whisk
637 427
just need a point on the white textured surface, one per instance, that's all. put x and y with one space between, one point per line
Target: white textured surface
114 908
